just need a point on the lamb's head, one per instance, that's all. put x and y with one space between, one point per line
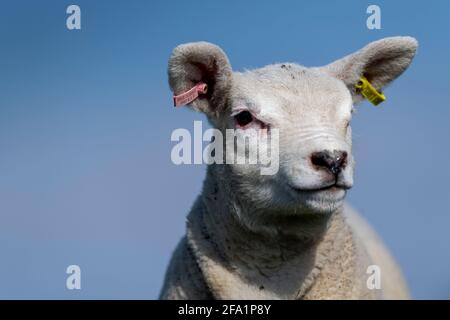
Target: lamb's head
309 108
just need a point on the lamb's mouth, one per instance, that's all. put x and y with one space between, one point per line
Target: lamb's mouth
332 187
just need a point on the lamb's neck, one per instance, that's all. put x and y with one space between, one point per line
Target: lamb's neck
225 217
284 263
238 260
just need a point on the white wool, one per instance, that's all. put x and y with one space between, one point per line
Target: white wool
283 236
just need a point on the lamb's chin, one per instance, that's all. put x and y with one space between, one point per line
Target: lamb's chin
326 201
321 201
324 206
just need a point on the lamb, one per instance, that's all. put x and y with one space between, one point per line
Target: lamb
289 235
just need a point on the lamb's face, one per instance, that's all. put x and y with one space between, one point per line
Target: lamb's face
311 111
310 108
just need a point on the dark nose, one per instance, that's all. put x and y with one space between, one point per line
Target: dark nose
334 160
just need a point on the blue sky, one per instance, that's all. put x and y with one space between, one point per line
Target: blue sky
86 118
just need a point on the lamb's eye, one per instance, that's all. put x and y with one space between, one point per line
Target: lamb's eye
243 118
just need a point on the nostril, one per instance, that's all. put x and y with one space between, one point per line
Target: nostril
320 159
333 161
341 159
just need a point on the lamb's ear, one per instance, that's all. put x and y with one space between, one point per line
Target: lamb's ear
380 62
201 62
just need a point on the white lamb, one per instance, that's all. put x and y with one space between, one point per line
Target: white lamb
288 235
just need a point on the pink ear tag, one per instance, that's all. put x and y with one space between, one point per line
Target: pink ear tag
190 95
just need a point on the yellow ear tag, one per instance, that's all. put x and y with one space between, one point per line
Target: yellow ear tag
369 92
